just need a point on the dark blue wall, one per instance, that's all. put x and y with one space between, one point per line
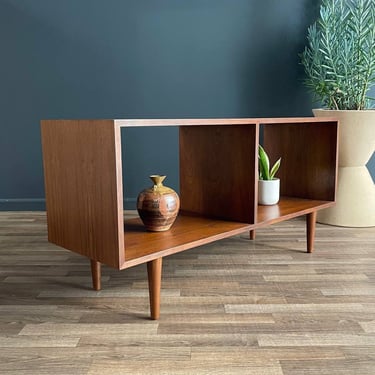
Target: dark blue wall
141 59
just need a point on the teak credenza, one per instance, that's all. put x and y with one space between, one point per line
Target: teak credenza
218 186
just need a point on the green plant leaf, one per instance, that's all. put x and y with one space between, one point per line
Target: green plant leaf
275 168
264 164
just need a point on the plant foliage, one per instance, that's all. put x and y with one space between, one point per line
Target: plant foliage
264 165
339 59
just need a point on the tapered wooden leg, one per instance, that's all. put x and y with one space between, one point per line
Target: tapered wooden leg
310 231
96 274
252 234
154 284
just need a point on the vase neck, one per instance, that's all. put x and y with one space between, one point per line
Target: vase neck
157 179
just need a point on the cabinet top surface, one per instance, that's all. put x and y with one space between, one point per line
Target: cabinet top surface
206 121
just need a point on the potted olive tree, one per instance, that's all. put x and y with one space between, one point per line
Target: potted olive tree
268 184
339 61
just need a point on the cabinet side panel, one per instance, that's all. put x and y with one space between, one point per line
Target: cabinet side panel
217 171
309 158
82 197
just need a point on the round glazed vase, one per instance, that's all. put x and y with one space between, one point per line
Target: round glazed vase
355 193
158 205
268 192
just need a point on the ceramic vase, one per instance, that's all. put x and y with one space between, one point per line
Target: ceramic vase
268 191
158 205
355 193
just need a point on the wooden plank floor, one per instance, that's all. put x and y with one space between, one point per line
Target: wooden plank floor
262 307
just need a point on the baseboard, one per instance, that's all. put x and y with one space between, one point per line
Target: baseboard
23 204
39 204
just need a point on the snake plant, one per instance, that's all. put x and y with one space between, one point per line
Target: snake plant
265 173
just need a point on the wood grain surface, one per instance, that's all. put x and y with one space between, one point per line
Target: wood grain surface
83 183
235 306
218 179
218 167
309 158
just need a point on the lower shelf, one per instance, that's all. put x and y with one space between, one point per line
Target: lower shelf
288 208
191 231
187 232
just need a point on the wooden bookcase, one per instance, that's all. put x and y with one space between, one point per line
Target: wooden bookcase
218 186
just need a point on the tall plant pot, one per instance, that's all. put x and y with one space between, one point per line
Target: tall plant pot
355 197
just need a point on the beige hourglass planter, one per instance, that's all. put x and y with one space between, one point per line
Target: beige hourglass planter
355 197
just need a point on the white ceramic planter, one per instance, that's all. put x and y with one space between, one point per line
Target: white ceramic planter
355 195
268 191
